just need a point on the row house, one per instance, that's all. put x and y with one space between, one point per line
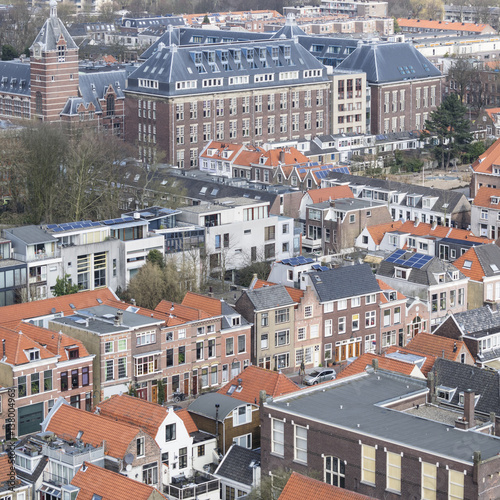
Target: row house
93 254
303 177
393 318
364 448
405 86
321 195
447 243
241 230
128 449
42 366
486 171
437 284
485 213
481 265
430 26
479 329
184 449
333 226
14 487
409 201
183 96
249 162
13 272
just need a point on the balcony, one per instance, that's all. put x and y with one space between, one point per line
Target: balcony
54 479
191 487
73 454
312 244
37 257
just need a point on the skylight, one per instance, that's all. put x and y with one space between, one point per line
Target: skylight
467 264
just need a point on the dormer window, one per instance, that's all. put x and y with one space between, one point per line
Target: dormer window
235 320
440 278
73 353
33 354
454 275
445 393
401 273
494 200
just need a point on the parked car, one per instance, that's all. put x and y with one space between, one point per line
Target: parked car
320 375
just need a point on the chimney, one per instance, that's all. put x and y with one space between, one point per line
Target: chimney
119 318
375 364
132 301
469 399
282 156
431 384
240 382
433 225
454 347
3 348
417 222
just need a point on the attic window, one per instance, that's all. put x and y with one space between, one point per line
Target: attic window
467 264
235 320
73 353
494 200
445 393
33 354
401 273
494 268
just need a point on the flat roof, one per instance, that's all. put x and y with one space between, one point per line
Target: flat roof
355 404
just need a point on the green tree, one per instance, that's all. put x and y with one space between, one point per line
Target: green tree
271 486
450 128
473 151
9 52
156 257
244 276
206 20
462 73
64 286
397 29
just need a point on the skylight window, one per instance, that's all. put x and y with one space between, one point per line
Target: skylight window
467 264
494 268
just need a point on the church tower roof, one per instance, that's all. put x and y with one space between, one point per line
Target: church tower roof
52 31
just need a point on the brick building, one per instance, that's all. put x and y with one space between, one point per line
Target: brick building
262 91
356 433
405 86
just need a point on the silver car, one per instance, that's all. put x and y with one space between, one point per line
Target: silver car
320 375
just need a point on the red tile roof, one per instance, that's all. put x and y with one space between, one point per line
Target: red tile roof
359 365
5 471
135 411
492 111
300 487
56 343
443 25
483 198
475 272
96 429
295 293
378 232
210 305
80 300
437 346
181 311
489 158
254 380
188 420
385 286
17 345
93 480
330 193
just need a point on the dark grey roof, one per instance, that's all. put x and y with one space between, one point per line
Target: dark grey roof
145 22
354 403
489 255
476 321
348 204
238 465
444 196
289 30
30 234
205 405
348 281
50 33
463 377
15 78
426 275
227 311
390 62
329 50
172 64
269 297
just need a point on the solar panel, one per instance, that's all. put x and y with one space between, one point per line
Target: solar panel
86 224
285 261
51 226
108 222
128 218
58 229
315 266
395 256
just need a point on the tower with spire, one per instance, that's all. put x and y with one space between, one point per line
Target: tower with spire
54 68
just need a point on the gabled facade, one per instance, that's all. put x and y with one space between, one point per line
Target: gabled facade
41 367
438 284
480 331
485 212
124 445
486 170
481 265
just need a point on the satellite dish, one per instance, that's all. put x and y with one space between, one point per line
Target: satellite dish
129 468
128 458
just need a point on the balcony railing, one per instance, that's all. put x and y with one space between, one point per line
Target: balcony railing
37 257
192 487
54 479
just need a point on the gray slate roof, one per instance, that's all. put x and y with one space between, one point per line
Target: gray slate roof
354 404
15 78
343 282
30 235
172 64
390 62
269 297
227 312
463 377
475 322
444 196
489 255
49 35
205 405
236 465
426 275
